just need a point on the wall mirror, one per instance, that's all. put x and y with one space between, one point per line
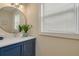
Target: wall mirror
10 18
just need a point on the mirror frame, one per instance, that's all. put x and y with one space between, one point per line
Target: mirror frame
16 9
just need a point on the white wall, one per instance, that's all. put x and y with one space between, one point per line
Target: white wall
49 45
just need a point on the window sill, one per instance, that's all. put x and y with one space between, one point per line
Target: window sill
61 35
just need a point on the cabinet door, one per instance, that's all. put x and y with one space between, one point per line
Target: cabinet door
29 48
13 50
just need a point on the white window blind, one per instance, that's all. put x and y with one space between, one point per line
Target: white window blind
59 18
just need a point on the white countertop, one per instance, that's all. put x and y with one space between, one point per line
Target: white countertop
13 40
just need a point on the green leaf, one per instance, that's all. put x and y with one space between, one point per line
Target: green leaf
20 28
24 27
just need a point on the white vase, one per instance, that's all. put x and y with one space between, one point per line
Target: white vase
22 34
25 34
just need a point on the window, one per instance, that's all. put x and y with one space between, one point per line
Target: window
59 18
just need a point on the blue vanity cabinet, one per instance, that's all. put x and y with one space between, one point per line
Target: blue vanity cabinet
29 48
25 48
12 50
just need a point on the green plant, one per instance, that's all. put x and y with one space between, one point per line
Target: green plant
20 28
24 27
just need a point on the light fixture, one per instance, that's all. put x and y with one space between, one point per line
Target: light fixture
16 4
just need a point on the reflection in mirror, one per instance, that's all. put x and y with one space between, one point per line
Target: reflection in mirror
10 18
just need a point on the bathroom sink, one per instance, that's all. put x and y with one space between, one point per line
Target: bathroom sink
1 38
